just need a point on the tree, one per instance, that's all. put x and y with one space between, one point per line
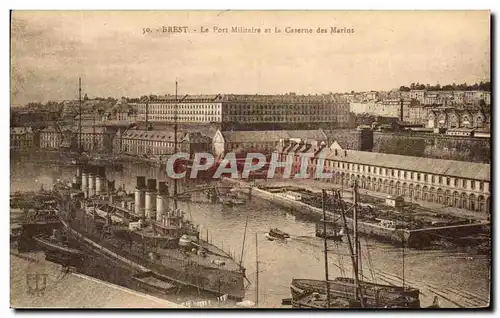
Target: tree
404 89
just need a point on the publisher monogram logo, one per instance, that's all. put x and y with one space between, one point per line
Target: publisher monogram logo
36 284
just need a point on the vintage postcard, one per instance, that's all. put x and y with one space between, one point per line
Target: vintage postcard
250 159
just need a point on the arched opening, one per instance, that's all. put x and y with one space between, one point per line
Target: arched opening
398 188
472 202
456 199
432 197
447 198
417 192
440 196
481 204
425 193
463 201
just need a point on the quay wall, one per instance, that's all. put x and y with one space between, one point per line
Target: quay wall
373 230
433 146
412 238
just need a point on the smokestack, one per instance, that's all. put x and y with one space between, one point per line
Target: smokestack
102 172
161 201
92 181
111 186
141 182
150 199
85 181
79 171
99 185
140 196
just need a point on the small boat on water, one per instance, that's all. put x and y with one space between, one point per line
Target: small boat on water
153 282
276 233
54 245
269 237
376 295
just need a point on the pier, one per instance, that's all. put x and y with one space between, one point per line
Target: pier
420 237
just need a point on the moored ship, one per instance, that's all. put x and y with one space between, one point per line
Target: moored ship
143 231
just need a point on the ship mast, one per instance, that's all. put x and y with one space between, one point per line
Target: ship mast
351 245
325 249
80 114
256 272
175 142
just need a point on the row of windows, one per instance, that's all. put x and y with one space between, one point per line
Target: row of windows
181 118
180 106
408 175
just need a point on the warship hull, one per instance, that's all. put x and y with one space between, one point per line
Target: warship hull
178 267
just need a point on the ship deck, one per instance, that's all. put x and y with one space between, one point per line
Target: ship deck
213 254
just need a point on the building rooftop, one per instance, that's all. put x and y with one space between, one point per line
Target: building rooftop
20 130
460 169
157 135
273 135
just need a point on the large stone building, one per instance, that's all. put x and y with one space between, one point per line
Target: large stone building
264 142
254 110
22 138
53 138
158 143
444 117
464 185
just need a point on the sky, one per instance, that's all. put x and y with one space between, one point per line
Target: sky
109 50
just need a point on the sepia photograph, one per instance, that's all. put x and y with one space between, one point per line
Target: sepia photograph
250 159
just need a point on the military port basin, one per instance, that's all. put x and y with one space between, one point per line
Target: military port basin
446 256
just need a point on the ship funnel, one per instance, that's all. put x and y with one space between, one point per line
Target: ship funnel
141 182
161 201
162 188
140 196
102 172
111 186
152 184
150 199
92 181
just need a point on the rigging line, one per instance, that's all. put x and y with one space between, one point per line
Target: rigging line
369 258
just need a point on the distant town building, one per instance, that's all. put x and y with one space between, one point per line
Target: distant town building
154 142
22 138
247 109
264 142
443 117
465 185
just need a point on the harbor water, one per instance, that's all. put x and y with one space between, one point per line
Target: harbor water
458 279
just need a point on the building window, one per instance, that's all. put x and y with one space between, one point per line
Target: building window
404 176
464 183
425 177
481 186
455 183
472 184
433 179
